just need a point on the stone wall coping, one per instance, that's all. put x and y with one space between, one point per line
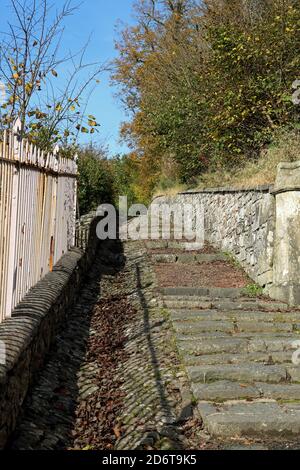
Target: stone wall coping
19 330
288 177
285 190
289 165
265 188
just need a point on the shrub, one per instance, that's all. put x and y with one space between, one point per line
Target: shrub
95 183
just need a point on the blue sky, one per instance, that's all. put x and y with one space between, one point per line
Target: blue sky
99 18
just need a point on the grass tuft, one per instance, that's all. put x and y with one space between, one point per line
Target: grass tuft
253 290
285 147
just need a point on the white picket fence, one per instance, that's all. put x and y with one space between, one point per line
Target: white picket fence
37 215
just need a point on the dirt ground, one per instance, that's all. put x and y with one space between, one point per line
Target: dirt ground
213 274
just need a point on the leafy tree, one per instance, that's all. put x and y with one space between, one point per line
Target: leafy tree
96 180
125 169
29 63
207 83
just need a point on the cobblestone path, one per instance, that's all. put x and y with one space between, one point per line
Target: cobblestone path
164 350
136 399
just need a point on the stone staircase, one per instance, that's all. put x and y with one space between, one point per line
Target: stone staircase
237 352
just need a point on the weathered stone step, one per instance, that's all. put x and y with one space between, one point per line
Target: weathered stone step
187 258
218 343
211 292
244 373
178 315
173 245
164 258
224 390
256 419
258 336
202 326
205 303
284 357
193 328
181 303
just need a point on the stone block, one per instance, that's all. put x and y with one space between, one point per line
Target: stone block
257 419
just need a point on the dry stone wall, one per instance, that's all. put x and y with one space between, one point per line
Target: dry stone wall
260 227
239 222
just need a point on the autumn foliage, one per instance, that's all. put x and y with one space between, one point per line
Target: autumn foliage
207 83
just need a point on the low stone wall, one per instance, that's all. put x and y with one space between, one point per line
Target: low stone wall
260 227
28 334
240 222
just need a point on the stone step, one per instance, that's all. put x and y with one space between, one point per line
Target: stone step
258 335
204 302
186 258
183 315
233 327
226 358
218 343
223 390
211 292
256 419
164 258
181 303
204 326
244 373
173 245
156 244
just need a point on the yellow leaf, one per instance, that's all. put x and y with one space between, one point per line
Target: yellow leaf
28 87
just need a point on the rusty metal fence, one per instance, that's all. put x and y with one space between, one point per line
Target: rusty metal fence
37 215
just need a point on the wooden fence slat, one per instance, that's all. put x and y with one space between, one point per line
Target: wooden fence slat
37 221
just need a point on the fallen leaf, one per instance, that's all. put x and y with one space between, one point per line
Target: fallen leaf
117 431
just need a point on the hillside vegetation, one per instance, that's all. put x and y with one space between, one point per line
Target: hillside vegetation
208 87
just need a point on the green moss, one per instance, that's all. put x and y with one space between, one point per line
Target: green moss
231 259
290 401
165 313
252 290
